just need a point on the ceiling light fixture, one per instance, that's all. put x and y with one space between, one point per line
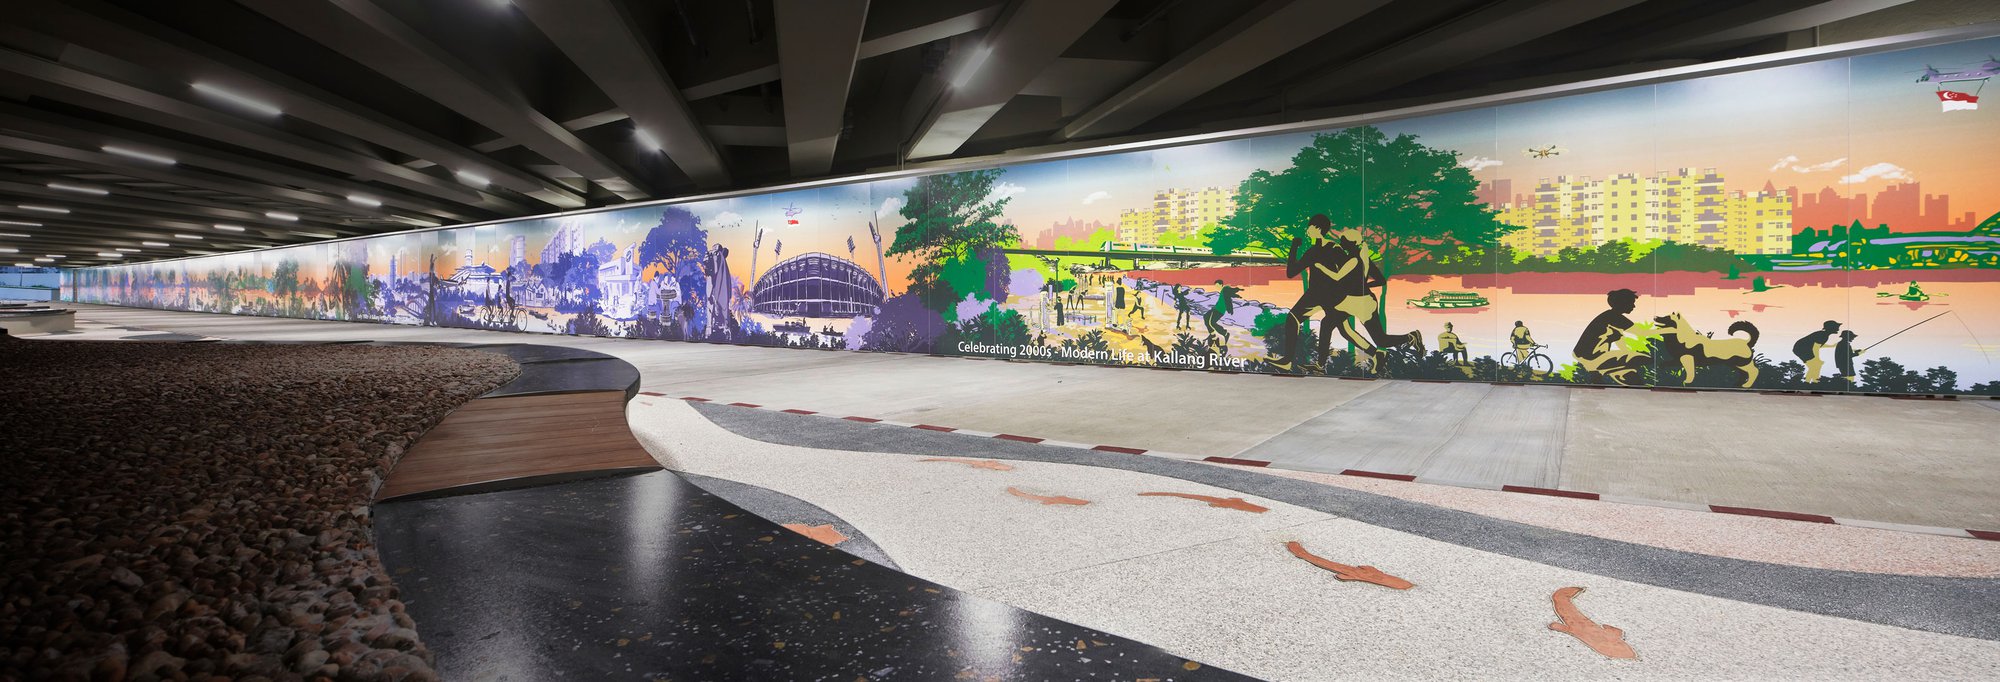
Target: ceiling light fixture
646 139
264 108
79 188
9 249
419 222
474 179
45 260
19 223
15 235
971 67
231 228
364 201
136 154
57 255
274 215
154 244
110 254
121 248
188 236
44 209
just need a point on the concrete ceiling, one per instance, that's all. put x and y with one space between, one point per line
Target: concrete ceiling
161 126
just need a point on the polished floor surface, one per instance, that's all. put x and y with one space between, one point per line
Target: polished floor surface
1087 537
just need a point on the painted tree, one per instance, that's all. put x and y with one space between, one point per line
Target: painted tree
675 249
951 221
1413 202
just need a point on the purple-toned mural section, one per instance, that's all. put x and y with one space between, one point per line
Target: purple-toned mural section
1824 226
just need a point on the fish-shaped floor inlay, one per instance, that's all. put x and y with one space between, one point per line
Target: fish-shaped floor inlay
1046 499
1366 574
825 533
1213 501
974 463
1601 638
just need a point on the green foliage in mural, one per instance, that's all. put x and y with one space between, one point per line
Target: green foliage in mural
1413 201
951 219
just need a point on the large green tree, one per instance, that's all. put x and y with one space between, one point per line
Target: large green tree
951 221
1413 202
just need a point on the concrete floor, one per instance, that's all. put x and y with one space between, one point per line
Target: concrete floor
1926 463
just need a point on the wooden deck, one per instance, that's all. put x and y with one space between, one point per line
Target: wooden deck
499 439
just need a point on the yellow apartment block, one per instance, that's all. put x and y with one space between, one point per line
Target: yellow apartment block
1685 206
1175 213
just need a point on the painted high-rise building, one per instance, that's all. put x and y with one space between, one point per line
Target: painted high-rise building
1684 206
1176 214
518 259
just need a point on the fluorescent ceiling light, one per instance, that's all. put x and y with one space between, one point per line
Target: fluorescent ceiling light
79 188
9 249
17 222
231 228
136 154
474 179
15 235
274 215
188 236
57 255
972 65
264 108
646 139
154 244
44 209
45 260
110 254
364 201
121 248
419 222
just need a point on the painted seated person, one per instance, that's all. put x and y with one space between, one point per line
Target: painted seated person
1450 345
1602 349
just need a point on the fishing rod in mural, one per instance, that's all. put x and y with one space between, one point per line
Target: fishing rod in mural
1821 226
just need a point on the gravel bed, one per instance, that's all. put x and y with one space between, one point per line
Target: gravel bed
201 511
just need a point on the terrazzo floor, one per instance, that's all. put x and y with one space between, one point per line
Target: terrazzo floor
1698 596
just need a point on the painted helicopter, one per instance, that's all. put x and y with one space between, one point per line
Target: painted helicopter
1987 70
1544 152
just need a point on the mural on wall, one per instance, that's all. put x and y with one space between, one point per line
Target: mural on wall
1823 226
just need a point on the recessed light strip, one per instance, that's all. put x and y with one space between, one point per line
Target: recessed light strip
79 189
136 154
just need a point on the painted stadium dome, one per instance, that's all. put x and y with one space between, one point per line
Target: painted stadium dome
816 285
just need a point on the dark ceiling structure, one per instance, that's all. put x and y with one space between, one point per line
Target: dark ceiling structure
144 129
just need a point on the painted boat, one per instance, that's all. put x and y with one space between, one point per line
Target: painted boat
1450 299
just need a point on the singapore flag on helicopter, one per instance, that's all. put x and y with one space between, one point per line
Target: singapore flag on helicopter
1957 101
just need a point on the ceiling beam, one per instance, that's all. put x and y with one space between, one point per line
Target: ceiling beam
1799 19
1265 32
603 41
1028 38
817 44
370 35
1487 30
135 39
93 160
895 34
265 174
76 87
127 199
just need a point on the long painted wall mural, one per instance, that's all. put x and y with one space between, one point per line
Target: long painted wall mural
1825 226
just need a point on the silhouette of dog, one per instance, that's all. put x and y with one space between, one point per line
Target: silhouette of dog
1691 348
1153 350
